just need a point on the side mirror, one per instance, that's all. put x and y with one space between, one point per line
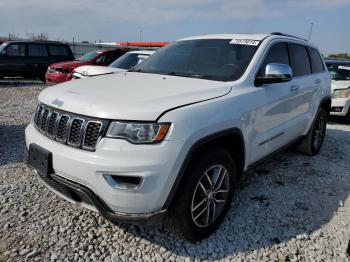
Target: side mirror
275 73
3 53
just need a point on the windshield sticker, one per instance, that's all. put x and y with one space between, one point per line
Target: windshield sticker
245 42
344 67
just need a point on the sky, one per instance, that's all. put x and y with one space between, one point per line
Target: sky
163 20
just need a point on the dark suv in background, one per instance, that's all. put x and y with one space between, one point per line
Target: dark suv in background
31 59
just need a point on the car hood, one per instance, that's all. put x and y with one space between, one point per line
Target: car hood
97 70
340 85
130 96
68 64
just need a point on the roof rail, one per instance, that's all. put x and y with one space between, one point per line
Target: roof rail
293 36
46 41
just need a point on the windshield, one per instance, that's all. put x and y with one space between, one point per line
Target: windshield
213 59
339 71
128 60
89 56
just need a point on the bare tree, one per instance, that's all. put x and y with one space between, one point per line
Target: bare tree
13 35
39 36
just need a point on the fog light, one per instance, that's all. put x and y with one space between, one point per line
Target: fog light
337 109
123 182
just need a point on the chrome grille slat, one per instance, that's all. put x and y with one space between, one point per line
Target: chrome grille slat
92 134
75 132
70 129
62 130
51 124
44 117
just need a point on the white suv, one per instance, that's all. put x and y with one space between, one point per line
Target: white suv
166 141
340 73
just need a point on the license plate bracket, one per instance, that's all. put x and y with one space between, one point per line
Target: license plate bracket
40 159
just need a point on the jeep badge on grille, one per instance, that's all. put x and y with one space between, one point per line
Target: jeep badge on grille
57 102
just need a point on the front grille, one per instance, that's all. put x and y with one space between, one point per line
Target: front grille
75 134
91 133
70 129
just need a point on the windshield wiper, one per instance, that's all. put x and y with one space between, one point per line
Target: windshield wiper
178 74
199 76
173 74
137 70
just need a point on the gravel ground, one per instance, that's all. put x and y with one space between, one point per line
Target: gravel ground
291 208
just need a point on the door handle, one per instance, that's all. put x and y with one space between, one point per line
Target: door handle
318 81
294 88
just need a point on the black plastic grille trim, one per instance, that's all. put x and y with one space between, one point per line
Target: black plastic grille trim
73 130
64 190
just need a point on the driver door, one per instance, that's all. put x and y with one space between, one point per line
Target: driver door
273 125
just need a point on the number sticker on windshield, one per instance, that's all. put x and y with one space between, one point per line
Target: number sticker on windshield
244 42
344 67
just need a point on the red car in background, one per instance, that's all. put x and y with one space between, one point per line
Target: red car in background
61 72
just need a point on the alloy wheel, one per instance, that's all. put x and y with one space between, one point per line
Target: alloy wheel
210 196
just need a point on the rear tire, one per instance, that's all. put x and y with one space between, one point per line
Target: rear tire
42 78
347 117
312 143
204 196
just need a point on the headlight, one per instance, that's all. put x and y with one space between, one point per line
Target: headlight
341 93
138 133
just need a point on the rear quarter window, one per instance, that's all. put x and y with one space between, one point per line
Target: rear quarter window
58 50
37 50
316 61
300 60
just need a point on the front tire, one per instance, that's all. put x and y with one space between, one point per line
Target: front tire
42 78
204 196
312 143
347 117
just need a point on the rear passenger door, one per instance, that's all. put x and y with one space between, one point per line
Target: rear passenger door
303 86
37 59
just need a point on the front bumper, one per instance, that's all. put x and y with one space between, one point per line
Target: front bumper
54 78
340 106
158 165
79 194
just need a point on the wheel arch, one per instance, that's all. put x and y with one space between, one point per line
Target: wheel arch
231 139
326 104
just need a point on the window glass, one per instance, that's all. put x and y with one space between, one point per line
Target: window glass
58 50
316 61
127 61
278 53
339 71
16 50
212 59
110 57
2 46
37 50
300 60
101 60
89 56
